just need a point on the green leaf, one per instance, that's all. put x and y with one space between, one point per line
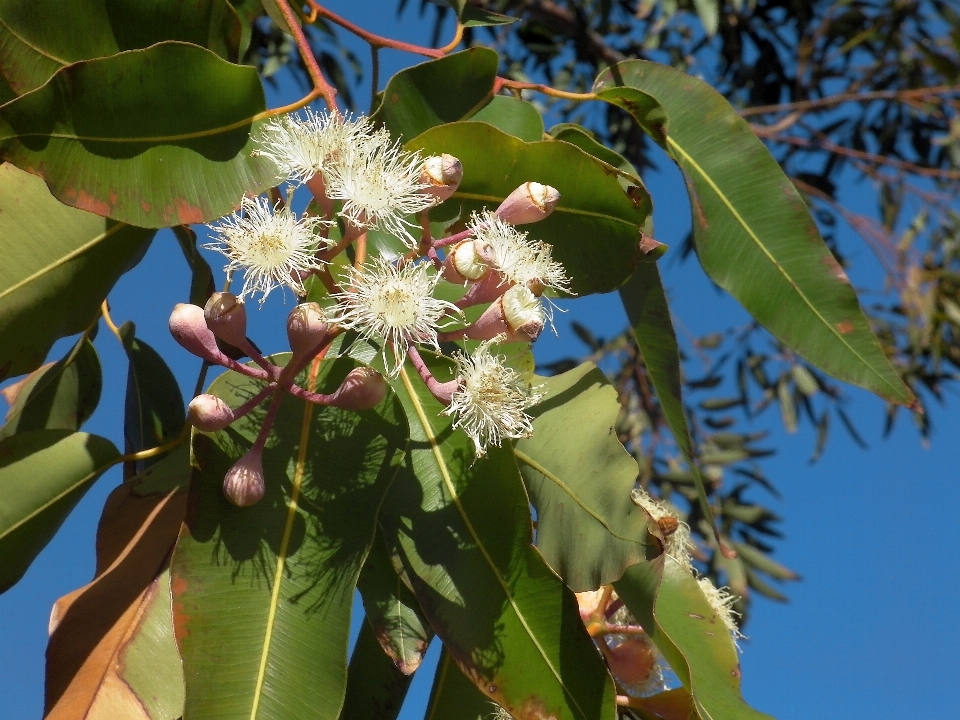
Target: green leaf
153 408
709 13
201 279
753 233
579 478
375 687
438 91
392 610
153 137
60 397
595 228
263 594
454 696
576 135
513 116
645 301
43 475
38 37
473 16
58 265
462 528
666 599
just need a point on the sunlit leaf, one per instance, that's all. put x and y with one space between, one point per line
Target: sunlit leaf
513 116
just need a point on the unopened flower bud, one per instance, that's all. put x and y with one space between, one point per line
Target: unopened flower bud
226 316
189 328
522 312
529 203
243 484
208 413
442 174
306 328
361 389
632 662
466 261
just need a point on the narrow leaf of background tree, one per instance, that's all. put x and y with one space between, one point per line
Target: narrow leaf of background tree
375 687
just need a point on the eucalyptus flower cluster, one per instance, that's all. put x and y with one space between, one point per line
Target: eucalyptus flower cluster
362 180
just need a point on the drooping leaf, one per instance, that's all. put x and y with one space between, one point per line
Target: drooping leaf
753 233
153 137
263 594
201 276
43 475
375 687
58 265
38 37
513 116
579 478
595 228
60 397
112 650
473 16
392 611
666 599
437 92
462 528
454 696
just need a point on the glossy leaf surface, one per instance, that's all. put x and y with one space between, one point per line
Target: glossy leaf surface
375 687
753 232
38 37
43 475
58 265
462 529
513 116
595 228
579 478
153 137
263 594
454 697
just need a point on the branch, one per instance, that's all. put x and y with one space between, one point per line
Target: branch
805 105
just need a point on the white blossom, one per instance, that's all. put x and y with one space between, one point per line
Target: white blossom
393 304
519 259
678 541
722 602
491 401
270 245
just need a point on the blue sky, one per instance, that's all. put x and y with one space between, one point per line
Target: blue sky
871 630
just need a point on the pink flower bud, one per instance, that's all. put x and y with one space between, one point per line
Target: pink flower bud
516 315
529 203
209 413
243 484
306 328
189 328
442 173
226 316
361 389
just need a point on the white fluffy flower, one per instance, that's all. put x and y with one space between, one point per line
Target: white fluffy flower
392 304
303 147
521 260
380 185
676 532
491 401
722 602
270 244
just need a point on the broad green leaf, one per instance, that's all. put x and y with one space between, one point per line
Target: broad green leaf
112 652
153 137
392 610
595 228
513 116
579 478
437 92
462 528
454 696
753 233
375 687
43 475
645 301
58 265
61 397
666 599
576 135
263 594
153 407
38 37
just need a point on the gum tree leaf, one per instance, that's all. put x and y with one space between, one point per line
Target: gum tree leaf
666 599
454 697
753 233
263 594
462 528
513 116
43 475
201 279
38 37
153 137
595 228
472 16
576 135
58 265
375 687
112 650
60 397
579 478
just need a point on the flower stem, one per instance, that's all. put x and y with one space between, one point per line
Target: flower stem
254 401
441 391
320 84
